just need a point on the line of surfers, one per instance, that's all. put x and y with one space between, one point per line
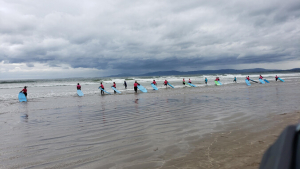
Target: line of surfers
154 82
135 85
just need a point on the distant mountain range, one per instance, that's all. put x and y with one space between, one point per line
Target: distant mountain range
201 72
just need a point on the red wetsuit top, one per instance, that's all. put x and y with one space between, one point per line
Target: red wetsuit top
260 77
154 82
166 82
135 84
102 86
276 77
248 78
217 79
190 81
114 85
24 90
78 87
183 80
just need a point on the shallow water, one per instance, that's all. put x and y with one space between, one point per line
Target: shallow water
130 130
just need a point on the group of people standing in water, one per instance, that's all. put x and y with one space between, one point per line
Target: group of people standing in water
135 85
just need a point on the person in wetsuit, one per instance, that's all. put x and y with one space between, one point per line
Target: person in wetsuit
260 77
24 91
190 81
276 77
234 80
183 81
166 83
248 78
125 84
135 86
114 85
154 82
102 87
205 80
78 86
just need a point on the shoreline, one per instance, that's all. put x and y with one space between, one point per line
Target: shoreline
235 148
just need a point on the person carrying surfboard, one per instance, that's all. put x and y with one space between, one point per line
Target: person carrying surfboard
115 86
125 84
154 82
24 91
135 86
101 85
260 77
248 78
78 86
276 77
190 81
217 79
166 83
183 81
205 80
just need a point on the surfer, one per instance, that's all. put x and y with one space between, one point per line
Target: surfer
234 80
276 77
217 79
24 91
125 84
166 83
78 86
205 80
114 85
154 82
260 77
190 81
135 86
248 78
102 87
183 81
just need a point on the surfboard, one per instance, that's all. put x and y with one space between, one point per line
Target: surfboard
266 80
253 81
104 90
115 90
79 92
261 81
170 85
220 83
141 88
191 84
247 82
281 80
154 87
217 83
22 97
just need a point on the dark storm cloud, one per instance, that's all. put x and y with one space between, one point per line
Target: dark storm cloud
147 35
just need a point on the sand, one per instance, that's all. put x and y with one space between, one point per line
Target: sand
237 148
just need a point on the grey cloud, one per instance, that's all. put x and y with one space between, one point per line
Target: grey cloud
147 35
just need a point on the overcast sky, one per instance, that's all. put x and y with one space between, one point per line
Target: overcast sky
67 38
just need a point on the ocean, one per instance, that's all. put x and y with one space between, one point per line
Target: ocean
58 129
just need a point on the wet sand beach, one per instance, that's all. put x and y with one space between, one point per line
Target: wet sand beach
205 127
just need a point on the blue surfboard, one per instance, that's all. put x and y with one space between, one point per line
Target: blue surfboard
154 87
79 92
253 81
247 82
261 81
115 90
281 80
170 85
220 83
104 90
22 97
141 88
191 84
266 80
